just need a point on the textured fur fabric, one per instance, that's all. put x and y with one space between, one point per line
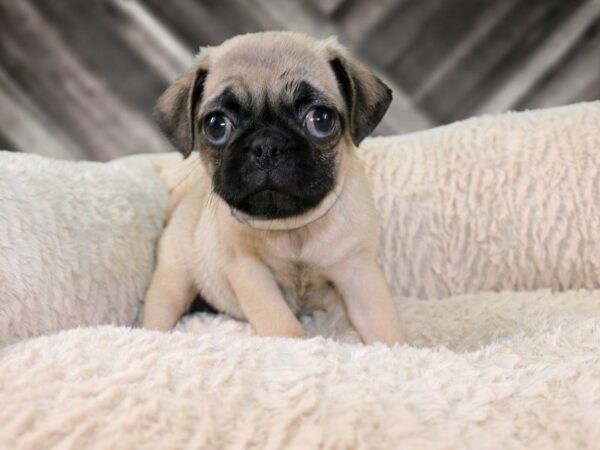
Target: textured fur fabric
76 242
496 203
486 371
493 203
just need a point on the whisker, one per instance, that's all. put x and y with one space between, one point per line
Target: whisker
211 200
190 171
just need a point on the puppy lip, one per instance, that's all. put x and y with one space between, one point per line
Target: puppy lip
270 190
268 202
267 190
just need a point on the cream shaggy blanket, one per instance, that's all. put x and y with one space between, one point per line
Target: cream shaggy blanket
76 242
507 203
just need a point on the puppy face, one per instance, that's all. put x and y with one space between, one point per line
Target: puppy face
272 115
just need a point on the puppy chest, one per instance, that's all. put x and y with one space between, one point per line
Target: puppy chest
303 287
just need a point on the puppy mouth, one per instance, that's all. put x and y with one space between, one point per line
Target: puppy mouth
268 191
274 197
269 203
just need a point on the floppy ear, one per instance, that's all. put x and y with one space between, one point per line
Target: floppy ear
366 96
175 110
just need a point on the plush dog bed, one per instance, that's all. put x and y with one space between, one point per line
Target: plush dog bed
509 204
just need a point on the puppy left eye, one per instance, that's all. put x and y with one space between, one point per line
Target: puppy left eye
320 122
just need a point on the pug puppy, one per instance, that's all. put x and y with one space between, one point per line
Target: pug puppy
281 220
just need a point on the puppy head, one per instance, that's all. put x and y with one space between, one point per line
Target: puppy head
272 114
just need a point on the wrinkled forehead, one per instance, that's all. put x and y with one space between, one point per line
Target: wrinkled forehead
271 71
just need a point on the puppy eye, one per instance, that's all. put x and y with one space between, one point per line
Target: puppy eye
217 128
320 122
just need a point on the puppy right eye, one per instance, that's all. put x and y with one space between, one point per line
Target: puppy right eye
320 122
217 128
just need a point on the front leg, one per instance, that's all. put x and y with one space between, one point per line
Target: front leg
169 296
368 301
261 299
171 291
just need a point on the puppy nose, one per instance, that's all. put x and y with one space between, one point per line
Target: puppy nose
265 154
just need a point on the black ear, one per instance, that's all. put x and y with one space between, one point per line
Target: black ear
175 110
366 96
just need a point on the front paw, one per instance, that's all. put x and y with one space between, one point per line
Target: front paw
389 338
281 330
160 319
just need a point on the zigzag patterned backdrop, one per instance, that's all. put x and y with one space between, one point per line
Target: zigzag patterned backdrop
78 79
